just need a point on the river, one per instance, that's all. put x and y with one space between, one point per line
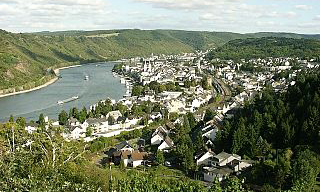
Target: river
101 85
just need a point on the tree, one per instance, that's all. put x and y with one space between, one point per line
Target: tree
216 186
41 121
111 120
198 143
11 119
209 115
305 170
204 83
137 90
239 137
234 185
83 115
21 121
186 124
192 120
75 113
89 131
160 157
63 118
122 165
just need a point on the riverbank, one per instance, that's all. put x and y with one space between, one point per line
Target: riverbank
41 86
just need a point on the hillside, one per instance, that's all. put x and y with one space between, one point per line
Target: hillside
267 47
25 58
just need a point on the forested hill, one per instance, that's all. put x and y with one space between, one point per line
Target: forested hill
282 131
25 58
268 47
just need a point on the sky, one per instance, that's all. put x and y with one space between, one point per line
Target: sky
241 16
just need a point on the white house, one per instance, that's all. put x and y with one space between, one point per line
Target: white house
205 158
167 143
76 132
155 115
210 133
174 105
30 128
137 158
224 158
158 135
73 122
238 165
114 114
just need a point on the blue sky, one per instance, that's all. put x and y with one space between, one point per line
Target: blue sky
242 16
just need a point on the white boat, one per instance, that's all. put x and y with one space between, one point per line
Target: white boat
60 102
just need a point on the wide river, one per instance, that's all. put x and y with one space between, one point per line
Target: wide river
101 85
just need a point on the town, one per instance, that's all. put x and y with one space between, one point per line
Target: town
174 107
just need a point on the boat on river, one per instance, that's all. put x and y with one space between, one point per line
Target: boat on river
60 102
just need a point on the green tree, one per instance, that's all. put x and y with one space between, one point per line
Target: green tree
111 120
63 118
216 186
137 90
11 119
75 113
21 121
41 121
160 157
83 115
198 142
305 170
89 131
209 115
122 166
192 120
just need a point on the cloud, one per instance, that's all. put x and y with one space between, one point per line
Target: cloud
187 4
317 18
303 7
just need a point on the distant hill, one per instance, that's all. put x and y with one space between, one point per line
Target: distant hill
26 57
267 47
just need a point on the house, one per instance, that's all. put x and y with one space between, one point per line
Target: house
174 105
119 156
129 158
31 127
73 122
158 135
204 159
99 125
179 121
124 146
210 173
155 115
114 114
138 158
166 144
210 132
224 158
76 132
238 165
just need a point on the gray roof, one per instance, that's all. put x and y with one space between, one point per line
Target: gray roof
223 155
122 145
223 171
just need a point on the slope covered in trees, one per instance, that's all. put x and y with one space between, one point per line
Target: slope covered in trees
282 131
268 47
26 58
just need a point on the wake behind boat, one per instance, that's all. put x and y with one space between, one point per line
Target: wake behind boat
60 102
